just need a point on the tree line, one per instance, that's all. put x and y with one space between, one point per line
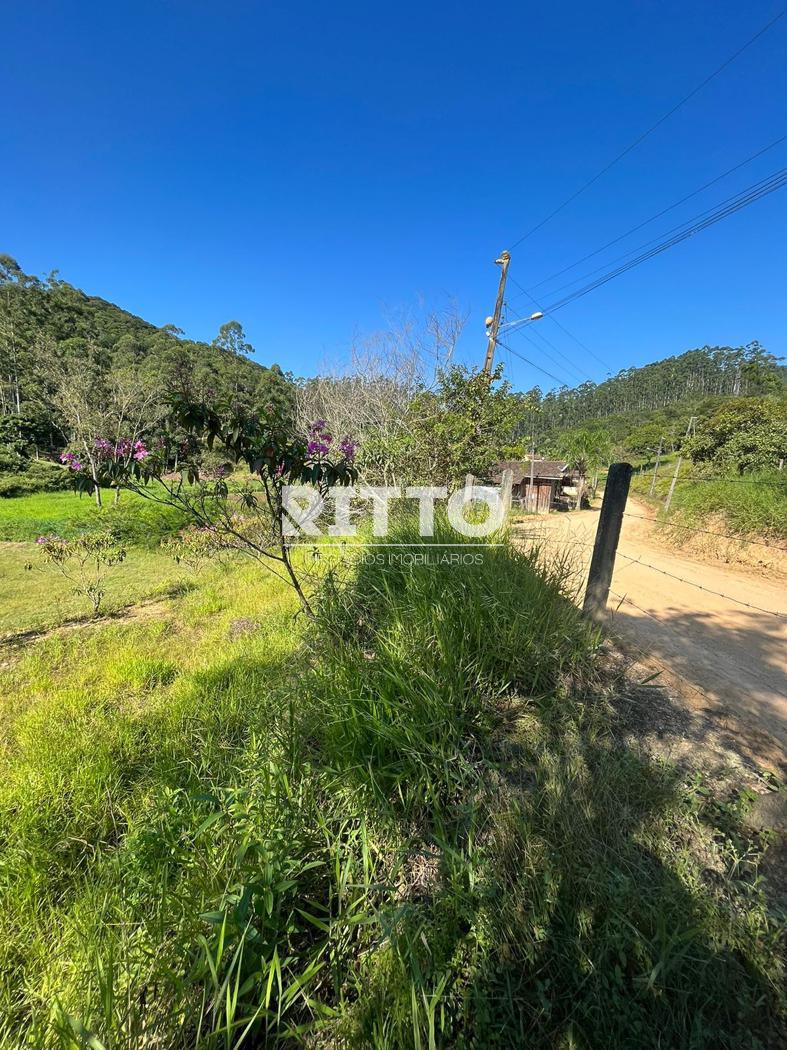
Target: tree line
74 366
78 374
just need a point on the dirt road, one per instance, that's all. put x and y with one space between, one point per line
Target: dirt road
733 655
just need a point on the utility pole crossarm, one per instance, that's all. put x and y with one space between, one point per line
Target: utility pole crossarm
494 327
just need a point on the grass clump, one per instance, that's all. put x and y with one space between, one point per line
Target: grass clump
752 505
407 825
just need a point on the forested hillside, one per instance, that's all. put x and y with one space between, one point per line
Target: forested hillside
693 378
65 354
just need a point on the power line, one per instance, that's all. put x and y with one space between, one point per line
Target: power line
658 215
559 325
532 364
568 362
775 182
728 202
651 129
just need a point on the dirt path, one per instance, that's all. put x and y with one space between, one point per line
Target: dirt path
733 656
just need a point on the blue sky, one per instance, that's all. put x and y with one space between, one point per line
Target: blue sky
304 168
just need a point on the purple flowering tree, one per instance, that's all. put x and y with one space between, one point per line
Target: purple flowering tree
101 462
249 516
102 415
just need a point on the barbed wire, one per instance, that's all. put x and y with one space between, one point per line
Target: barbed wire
638 561
671 630
705 532
699 586
776 482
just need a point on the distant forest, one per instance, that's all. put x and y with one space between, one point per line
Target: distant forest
73 364
691 378
51 332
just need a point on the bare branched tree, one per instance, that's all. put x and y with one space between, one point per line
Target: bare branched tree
370 395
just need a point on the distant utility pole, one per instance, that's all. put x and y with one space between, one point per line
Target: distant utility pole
690 429
531 489
656 468
494 323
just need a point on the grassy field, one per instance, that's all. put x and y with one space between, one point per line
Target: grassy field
34 596
406 825
66 514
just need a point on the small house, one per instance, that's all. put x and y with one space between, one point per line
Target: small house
553 484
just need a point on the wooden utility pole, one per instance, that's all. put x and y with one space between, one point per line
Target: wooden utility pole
492 330
690 429
607 535
656 468
532 502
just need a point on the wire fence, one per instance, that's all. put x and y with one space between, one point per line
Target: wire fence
572 541
705 532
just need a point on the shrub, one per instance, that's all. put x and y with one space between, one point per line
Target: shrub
40 475
85 562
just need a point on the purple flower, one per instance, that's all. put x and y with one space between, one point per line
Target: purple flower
70 460
42 539
317 448
140 452
347 447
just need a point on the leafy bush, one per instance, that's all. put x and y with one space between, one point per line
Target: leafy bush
85 562
39 475
743 436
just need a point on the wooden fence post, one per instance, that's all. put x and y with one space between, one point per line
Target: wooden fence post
506 486
607 535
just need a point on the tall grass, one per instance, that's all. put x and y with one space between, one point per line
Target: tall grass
755 504
408 825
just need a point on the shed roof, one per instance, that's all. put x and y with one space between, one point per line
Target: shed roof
543 469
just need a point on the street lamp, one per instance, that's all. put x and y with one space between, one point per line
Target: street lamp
520 321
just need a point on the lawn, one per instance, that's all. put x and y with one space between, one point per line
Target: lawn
407 824
34 596
66 514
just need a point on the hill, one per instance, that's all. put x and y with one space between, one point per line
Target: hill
638 407
49 329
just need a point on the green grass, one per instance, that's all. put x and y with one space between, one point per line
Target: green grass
408 825
38 598
754 505
66 514
34 596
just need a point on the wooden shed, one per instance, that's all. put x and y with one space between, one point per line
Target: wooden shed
550 477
